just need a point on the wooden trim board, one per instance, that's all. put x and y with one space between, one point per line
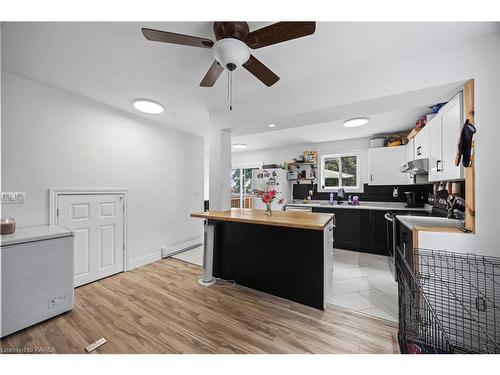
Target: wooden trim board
470 176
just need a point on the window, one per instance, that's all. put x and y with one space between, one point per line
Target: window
241 187
340 171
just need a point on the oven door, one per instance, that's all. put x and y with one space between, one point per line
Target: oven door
391 241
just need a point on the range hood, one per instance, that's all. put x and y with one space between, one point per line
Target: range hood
416 167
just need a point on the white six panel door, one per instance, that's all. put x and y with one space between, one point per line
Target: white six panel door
97 221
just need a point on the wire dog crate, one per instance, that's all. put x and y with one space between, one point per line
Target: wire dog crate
448 302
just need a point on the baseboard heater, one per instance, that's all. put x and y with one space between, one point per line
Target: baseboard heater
180 247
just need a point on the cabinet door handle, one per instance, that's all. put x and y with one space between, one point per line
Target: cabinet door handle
371 177
419 150
438 162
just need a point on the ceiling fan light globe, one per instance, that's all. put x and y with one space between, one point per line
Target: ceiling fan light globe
231 53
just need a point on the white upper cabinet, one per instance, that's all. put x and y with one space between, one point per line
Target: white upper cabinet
423 143
384 164
435 160
444 134
410 155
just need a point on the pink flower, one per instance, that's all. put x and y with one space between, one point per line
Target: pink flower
266 197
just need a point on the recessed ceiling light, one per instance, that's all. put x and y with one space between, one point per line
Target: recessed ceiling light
272 125
239 146
148 106
352 123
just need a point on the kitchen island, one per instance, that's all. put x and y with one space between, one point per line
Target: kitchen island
287 254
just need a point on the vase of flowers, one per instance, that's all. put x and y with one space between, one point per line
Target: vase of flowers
267 197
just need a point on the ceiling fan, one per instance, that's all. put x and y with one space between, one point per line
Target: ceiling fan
232 48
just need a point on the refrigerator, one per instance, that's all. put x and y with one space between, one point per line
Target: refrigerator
273 177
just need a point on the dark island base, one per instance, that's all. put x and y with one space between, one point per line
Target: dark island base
285 262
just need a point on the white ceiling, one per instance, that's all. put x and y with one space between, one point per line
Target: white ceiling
112 63
389 114
380 123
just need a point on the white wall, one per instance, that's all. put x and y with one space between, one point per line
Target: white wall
206 171
51 138
280 154
220 168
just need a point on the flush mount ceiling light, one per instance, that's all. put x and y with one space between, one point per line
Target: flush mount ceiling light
148 106
239 146
272 125
354 122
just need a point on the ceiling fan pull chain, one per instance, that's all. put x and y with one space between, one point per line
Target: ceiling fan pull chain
231 91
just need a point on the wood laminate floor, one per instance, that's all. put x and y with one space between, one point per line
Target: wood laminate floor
159 308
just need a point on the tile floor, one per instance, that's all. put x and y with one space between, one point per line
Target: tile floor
361 282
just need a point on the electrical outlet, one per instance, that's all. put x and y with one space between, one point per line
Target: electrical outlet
395 192
13 197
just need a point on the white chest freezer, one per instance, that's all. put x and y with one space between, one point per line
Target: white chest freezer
36 276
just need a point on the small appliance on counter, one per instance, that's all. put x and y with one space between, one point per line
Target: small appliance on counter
414 200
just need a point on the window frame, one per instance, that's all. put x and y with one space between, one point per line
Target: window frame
321 181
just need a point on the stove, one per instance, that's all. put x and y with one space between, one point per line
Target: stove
439 209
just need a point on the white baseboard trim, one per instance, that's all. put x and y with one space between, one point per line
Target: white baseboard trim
183 246
144 260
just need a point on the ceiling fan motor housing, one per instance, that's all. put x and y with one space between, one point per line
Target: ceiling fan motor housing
231 53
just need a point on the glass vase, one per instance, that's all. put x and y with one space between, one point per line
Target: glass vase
268 209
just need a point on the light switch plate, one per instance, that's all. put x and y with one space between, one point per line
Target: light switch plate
13 197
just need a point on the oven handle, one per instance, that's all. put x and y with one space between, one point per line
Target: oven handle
389 217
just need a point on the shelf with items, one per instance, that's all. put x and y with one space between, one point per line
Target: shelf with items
303 168
303 163
302 172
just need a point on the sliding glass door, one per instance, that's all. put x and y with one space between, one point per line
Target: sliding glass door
241 185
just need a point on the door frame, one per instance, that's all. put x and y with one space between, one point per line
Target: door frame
54 194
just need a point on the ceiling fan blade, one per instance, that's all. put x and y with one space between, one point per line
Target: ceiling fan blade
278 33
167 37
261 71
213 73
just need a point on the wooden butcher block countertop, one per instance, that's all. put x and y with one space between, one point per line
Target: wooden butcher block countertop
291 219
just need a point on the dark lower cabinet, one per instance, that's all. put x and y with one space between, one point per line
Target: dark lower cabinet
359 229
378 232
349 230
